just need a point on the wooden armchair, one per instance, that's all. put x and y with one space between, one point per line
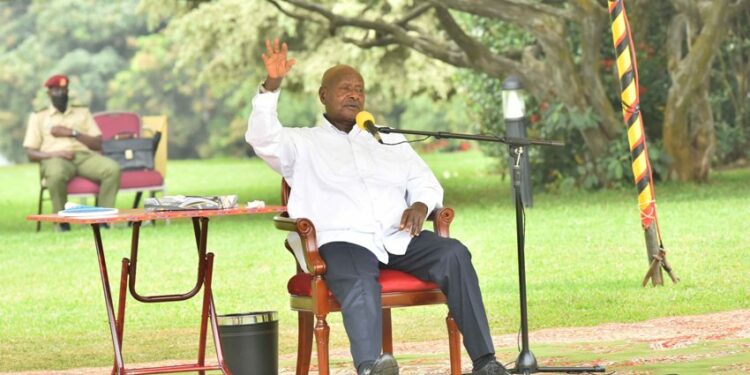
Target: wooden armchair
310 296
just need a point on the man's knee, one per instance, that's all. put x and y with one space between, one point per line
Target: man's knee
109 169
363 283
56 177
56 181
456 251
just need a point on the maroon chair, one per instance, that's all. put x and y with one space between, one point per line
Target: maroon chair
112 124
311 298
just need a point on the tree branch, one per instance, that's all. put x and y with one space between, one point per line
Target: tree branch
477 54
422 43
415 13
292 15
519 12
367 44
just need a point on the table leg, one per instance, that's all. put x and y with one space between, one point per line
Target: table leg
127 280
209 300
116 340
120 323
200 240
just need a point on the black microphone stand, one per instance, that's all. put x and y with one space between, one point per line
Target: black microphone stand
526 362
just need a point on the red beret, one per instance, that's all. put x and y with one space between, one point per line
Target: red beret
57 80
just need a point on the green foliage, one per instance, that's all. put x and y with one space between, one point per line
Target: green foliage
87 40
214 45
730 97
199 64
572 166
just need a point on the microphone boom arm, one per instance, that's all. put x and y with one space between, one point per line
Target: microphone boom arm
513 141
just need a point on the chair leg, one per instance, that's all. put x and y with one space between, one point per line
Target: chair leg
152 194
137 199
321 338
304 341
39 209
454 344
387 332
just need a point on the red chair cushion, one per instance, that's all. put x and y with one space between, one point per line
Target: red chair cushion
390 280
138 179
81 185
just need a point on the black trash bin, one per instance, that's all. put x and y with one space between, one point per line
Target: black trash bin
250 342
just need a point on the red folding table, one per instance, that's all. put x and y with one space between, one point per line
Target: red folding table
128 278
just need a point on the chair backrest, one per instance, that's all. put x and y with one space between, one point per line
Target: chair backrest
113 123
150 126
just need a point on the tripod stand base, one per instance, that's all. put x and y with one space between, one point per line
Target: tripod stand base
563 370
526 364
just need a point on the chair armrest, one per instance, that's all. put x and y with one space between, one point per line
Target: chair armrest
442 219
306 231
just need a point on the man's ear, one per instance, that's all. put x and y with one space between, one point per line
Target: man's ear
322 95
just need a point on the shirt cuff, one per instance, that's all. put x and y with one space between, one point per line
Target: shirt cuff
266 99
430 202
263 90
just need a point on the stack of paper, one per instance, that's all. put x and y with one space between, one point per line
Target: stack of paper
184 203
79 210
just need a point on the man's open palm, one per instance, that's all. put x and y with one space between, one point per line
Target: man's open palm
275 59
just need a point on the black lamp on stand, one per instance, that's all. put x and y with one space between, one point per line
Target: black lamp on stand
515 127
513 110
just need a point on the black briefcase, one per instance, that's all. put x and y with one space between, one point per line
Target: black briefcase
132 153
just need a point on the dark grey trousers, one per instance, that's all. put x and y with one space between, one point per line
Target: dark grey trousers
352 275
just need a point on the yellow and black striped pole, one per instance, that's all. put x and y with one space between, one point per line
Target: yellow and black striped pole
627 70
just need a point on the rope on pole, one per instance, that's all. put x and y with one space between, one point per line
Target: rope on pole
627 70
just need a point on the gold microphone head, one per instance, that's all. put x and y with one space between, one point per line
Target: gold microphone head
363 117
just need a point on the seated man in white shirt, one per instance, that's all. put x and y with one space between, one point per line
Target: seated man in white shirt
368 202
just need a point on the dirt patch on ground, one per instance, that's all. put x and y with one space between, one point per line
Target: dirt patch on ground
718 342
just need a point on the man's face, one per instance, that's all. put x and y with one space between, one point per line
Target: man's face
343 96
59 97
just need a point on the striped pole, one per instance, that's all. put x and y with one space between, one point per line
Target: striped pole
627 70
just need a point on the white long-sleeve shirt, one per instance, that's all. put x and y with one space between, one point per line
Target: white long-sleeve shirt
351 187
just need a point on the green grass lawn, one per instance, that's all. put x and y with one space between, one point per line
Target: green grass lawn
585 261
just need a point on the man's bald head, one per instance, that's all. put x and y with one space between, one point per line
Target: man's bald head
336 72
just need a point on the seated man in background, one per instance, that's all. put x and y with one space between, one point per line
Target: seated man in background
64 140
368 202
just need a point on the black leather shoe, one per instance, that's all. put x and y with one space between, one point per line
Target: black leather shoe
384 365
491 368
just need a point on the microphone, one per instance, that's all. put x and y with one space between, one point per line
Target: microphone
365 121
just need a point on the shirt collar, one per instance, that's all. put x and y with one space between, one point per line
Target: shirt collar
324 123
54 109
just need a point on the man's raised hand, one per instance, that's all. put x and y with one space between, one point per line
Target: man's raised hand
276 63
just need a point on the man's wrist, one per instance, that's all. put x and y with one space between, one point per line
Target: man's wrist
270 84
74 134
420 205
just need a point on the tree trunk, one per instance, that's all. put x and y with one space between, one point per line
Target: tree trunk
689 135
557 77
